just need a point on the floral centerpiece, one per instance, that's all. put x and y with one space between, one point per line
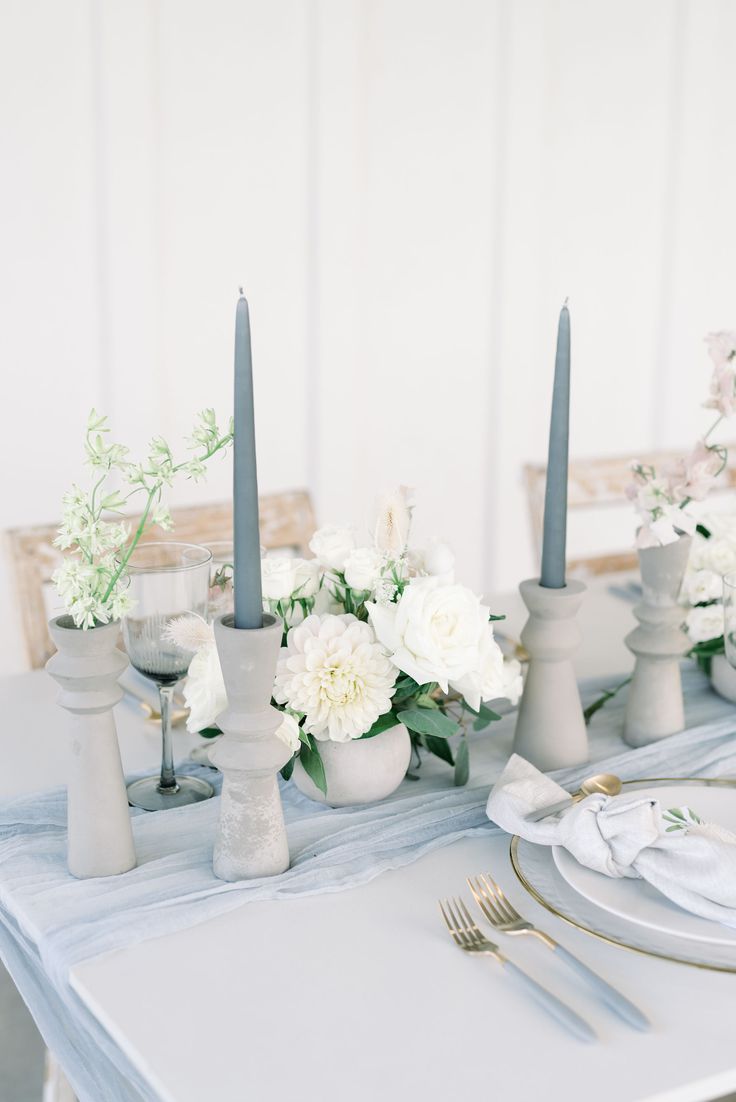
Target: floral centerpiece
92 579
377 635
663 498
713 554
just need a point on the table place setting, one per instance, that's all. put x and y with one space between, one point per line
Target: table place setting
355 710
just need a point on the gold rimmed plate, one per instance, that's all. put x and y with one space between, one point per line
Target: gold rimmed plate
536 870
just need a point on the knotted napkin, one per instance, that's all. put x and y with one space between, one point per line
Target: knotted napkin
692 862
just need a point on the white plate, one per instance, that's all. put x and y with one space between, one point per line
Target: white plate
640 903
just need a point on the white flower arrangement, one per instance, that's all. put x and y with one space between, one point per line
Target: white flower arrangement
662 498
92 579
375 634
713 554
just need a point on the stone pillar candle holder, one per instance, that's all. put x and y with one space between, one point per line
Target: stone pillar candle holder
654 708
550 727
87 666
251 835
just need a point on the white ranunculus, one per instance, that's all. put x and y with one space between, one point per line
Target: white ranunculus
493 678
278 577
204 689
700 586
705 623
440 561
718 555
306 577
331 545
434 632
363 568
334 673
288 732
393 521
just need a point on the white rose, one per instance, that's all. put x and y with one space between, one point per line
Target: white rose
288 732
331 545
363 568
278 577
705 623
306 577
204 689
493 678
434 632
719 556
440 561
700 586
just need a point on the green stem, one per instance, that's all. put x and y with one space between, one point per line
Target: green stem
138 533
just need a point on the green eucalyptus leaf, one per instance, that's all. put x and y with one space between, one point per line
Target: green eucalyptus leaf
383 723
440 747
210 732
288 769
426 722
424 700
311 759
462 763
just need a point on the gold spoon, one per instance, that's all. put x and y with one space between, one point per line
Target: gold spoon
606 783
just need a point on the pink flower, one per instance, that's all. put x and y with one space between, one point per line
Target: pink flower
721 346
693 476
722 390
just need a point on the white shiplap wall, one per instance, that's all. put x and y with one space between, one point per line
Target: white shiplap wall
408 189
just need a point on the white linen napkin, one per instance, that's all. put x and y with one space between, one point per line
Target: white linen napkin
694 864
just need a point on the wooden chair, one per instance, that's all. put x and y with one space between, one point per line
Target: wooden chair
286 521
597 485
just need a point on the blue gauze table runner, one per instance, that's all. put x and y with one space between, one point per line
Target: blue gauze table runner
50 922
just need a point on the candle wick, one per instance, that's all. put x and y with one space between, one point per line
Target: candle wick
242 292
564 303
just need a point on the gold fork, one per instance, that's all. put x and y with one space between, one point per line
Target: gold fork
503 916
468 937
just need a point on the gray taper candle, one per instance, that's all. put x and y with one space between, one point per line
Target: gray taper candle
555 496
246 536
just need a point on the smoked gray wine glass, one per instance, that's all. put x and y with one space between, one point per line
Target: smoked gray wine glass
729 617
167 580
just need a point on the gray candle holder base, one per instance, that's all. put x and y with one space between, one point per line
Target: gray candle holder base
654 707
550 727
87 666
251 835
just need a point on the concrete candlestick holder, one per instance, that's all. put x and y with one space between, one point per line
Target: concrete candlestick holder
87 666
654 708
550 727
251 836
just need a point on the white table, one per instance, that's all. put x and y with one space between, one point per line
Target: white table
361 994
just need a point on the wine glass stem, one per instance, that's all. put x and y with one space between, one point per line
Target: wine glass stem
166 696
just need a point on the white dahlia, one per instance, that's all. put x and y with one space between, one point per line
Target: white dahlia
334 672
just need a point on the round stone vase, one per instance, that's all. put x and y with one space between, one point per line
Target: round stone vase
723 677
654 707
86 667
361 771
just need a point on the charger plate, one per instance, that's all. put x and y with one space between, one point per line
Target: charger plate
535 867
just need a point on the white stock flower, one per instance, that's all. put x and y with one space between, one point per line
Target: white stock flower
204 689
700 586
363 568
493 678
331 545
278 577
393 521
705 623
434 632
288 732
334 673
